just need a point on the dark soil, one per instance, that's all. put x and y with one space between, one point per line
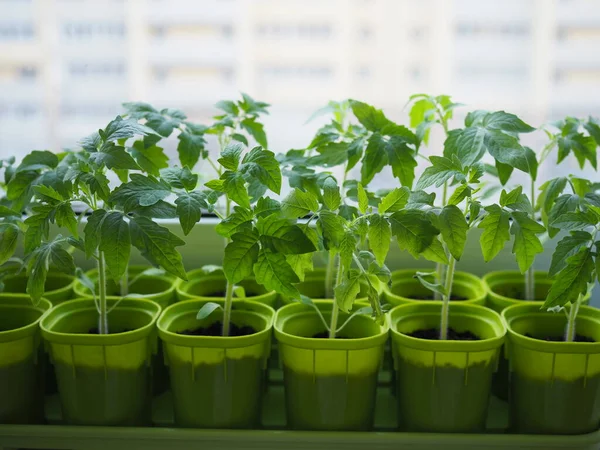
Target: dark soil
325 335
430 297
95 331
216 329
578 338
433 334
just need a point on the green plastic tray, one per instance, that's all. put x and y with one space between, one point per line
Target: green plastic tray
273 434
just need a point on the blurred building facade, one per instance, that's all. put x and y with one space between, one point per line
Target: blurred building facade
66 65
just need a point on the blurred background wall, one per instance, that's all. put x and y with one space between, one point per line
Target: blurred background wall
67 65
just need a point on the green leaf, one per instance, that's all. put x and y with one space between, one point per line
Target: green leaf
160 210
47 194
216 185
230 156
504 121
65 217
37 272
434 287
207 309
402 159
567 247
62 260
114 157
454 227
395 200
283 237
506 149
9 236
504 172
435 252
256 130
179 178
441 170
460 193
526 244
266 206
228 106
563 204
380 237
7 212
583 147
92 231
261 164
375 158
330 154
413 230
363 199
190 148
150 159
234 186
239 218
157 244
97 184
495 233
468 145
189 209
331 194
572 281
300 264
140 191
121 128
38 159
115 243
275 274
347 248
332 228
355 152
346 292
299 204
240 255
575 220
19 189
374 120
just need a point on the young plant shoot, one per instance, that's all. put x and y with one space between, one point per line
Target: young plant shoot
371 144
259 240
495 133
120 217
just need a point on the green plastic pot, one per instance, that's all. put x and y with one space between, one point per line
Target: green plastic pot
216 381
444 386
406 289
330 384
554 386
506 288
21 369
158 288
211 287
313 287
103 379
58 287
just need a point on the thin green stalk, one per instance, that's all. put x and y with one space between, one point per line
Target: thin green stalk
446 300
530 275
227 308
329 275
125 282
103 309
335 311
570 332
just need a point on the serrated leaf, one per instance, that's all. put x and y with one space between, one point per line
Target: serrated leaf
441 170
346 250
504 121
256 130
577 220
140 191
275 274
434 287
332 228
207 310
9 237
150 159
261 165
266 206
503 171
468 145
179 178
189 209
283 237
239 218
331 194
527 244
375 158
230 156
38 159
395 200
413 230
65 217
190 148
363 199
115 243
234 186
572 281
346 292
240 255
157 244
495 233
380 237
460 193
160 210
300 264
401 158
564 204
567 247
114 157
120 128
299 204
454 227
62 260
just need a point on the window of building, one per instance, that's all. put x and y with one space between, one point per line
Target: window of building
79 31
104 69
16 31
